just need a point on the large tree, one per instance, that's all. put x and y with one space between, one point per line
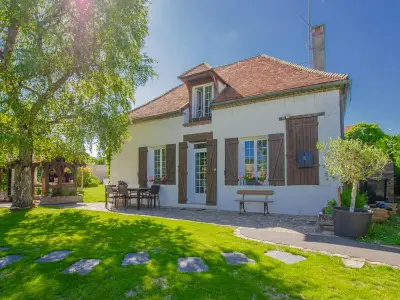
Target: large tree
68 73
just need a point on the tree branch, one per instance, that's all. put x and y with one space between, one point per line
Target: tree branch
30 89
50 92
11 36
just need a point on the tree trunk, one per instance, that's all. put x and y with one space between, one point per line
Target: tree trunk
353 196
22 185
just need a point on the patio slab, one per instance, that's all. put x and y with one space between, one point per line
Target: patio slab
54 256
83 267
191 265
8 260
285 257
139 258
236 258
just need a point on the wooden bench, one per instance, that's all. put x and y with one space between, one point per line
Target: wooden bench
265 193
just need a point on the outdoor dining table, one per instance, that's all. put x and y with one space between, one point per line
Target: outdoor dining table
138 191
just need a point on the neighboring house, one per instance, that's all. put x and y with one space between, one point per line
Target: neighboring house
258 114
100 171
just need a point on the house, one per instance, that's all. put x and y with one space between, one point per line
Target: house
257 114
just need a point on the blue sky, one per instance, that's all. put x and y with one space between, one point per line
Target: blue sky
361 40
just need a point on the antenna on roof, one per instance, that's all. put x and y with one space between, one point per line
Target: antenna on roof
309 48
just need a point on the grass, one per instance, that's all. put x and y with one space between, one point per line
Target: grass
385 233
110 236
94 194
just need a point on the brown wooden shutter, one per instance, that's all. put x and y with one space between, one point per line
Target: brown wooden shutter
182 181
211 192
170 168
302 135
276 154
142 172
231 161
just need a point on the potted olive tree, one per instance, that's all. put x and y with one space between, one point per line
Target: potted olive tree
351 161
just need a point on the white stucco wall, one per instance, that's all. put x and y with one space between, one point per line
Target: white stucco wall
259 119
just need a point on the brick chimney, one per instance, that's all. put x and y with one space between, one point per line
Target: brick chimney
318 47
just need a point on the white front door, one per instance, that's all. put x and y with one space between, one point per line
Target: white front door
200 173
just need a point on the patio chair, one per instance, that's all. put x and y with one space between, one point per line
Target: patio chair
111 194
123 194
153 195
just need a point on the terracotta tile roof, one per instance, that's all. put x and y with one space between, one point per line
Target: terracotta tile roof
257 75
265 74
347 128
204 66
170 101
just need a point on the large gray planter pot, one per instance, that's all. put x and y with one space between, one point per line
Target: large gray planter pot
351 224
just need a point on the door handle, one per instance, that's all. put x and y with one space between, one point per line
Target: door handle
215 170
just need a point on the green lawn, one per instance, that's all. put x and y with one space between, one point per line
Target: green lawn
94 194
110 236
385 233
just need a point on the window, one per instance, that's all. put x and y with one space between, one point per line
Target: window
159 163
255 157
202 97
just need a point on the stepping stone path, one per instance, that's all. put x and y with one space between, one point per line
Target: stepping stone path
54 256
353 263
139 258
84 266
285 257
236 258
3 248
8 260
191 264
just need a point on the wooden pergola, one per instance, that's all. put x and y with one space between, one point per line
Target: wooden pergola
55 175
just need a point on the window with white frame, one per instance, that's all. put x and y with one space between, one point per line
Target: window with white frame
159 163
255 157
202 97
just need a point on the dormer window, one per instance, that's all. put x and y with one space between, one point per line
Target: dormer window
202 97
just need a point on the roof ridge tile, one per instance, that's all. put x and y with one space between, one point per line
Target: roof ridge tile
191 69
303 68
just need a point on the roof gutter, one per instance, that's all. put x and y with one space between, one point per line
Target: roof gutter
278 94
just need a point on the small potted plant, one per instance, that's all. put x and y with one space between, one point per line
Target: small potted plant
150 181
251 179
351 161
263 178
325 218
160 180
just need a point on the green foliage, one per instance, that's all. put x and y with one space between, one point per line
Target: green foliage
345 196
367 133
3 180
373 135
351 161
55 192
89 179
329 207
38 191
68 74
99 161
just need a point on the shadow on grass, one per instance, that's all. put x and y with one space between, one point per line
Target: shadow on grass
109 238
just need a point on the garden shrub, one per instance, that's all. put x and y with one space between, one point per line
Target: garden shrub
89 179
361 199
